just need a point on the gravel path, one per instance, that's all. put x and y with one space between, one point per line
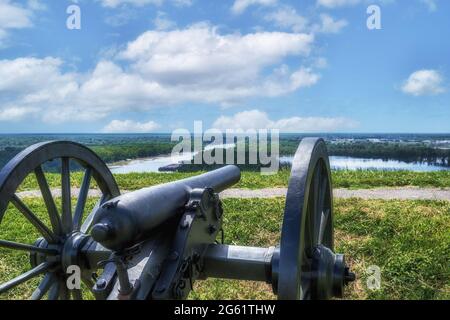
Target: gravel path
410 193
385 193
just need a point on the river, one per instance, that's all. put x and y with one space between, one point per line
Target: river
336 163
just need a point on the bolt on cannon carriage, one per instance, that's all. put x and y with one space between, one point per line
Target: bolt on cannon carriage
154 243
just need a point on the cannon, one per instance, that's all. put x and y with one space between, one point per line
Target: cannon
154 243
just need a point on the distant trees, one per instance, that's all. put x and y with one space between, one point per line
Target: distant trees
113 148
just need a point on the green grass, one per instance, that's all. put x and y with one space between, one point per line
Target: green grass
362 179
408 240
14 227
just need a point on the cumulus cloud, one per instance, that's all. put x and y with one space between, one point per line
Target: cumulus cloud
32 83
256 119
336 3
288 18
138 3
158 69
129 126
15 16
329 25
239 6
201 51
203 65
141 3
424 82
332 4
16 114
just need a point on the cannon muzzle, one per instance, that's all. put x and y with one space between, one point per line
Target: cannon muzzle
128 219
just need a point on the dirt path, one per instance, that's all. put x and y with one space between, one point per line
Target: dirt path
410 193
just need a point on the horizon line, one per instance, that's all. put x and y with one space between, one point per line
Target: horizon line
168 133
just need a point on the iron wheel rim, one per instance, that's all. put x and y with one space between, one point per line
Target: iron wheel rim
308 219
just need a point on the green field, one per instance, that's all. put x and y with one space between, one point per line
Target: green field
254 180
408 240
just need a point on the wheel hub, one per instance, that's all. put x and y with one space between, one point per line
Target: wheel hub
38 258
69 249
329 274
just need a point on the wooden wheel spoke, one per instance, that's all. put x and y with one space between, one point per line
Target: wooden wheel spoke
323 224
26 247
308 230
49 201
322 216
87 224
53 293
82 197
76 294
66 195
31 217
40 269
317 179
44 286
63 291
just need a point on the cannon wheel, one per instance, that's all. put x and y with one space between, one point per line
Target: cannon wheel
46 254
308 219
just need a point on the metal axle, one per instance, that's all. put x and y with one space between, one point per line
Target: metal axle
237 262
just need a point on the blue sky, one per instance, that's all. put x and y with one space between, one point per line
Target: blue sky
159 65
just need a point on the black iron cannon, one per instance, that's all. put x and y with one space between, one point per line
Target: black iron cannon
154 243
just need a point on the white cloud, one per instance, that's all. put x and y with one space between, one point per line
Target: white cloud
337 3
255 119
15 16
239 6
138 3
141 3
122 17
205 65
288 18
329 25
424 82
16 114
202 52
161 21
158 69
183 3
129 126
28 75
332 4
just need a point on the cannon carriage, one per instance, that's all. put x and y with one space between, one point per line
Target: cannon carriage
154 243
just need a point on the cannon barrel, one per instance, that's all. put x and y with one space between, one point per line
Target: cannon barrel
129 218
